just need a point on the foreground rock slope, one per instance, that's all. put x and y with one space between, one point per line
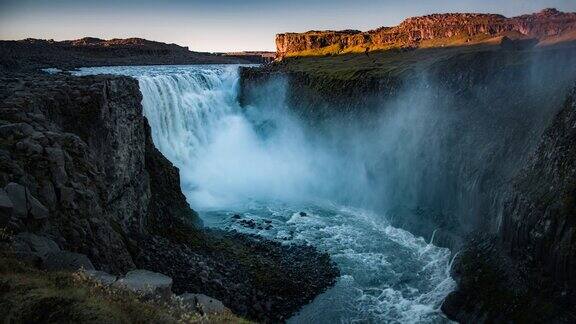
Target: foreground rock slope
82 186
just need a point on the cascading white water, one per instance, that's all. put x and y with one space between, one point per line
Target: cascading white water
259 162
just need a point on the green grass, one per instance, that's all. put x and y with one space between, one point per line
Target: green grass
402 63
323 51
383 63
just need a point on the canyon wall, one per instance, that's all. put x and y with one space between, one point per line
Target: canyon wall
526 272
538 219
547 27
78 149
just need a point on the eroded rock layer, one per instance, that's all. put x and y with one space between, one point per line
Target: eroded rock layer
547 27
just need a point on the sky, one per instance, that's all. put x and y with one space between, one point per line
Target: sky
228 25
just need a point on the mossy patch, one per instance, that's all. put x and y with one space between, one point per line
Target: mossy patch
28 295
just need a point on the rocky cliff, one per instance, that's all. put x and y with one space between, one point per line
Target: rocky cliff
546 27
82 185
34 54
62 150
526 272
538 220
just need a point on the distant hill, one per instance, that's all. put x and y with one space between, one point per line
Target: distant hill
547 27
33 54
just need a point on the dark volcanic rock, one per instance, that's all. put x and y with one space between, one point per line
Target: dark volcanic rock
79 173
539 220
527 273
493 287
254 277
73 162
79 165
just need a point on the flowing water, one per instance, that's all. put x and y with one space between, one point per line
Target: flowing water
256 169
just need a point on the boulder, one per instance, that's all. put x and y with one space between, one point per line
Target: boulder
37 210
147 283
204 304
17 194
22 201
103 278
17 130
5 202
29 245
28 146
66 260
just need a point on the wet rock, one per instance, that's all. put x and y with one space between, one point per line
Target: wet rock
236 216
205 304
65 260
249 223
301 272
303 214
67 195
147 283
55 155
48 194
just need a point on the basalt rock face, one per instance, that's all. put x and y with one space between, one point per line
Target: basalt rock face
33 54
538 220
527 271
78 149
547 26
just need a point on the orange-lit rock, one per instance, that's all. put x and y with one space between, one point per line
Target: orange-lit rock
546 26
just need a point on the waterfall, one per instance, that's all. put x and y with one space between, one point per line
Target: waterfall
260 161
227 155
230 156
184 109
